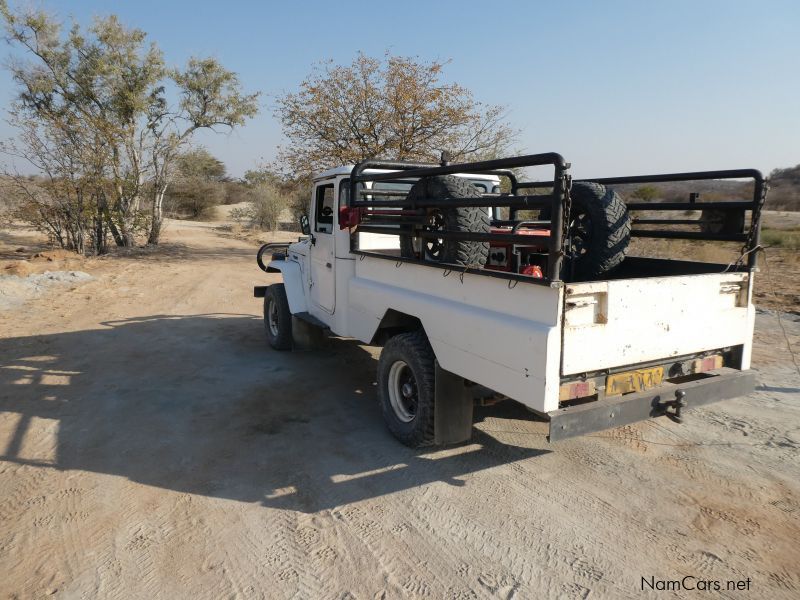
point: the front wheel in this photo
(406, 388)
(277, 317)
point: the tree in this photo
(96, 119)
(784, 191)
(198, 186)
(789, 174)
(199, 162)
(263, 175)
(396, 107)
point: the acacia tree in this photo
(103, 98)
(66, 199)
(199, 162)
(395, 107)
(198, 185)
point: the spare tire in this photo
(600, 229)
(466, 219)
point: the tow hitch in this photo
(672, 408)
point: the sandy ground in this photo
(152, 446)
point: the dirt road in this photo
(154, 447)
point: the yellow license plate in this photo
(634, 381)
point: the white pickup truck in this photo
(464, 288)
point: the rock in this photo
(16, 290)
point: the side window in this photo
(323, 209)
(344, 192)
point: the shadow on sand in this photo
(199, 404)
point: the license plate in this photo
(634, 381)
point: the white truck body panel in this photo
(616, 323)
(294, 283)
(505, 338)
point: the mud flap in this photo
(452, 418)
(307, 336)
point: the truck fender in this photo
(292, 283)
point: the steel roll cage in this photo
(404, 220)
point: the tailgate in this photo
(617, 323)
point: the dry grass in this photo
(778, 282)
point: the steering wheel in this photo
(327, 211)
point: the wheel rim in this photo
(580, 234)
(272, 317)
(403, 393)
(434, 248)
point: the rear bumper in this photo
(630, 408)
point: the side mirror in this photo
(305, 228)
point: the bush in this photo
(266, 206)
(298, 198)
(646, 193)
(295, 190)
(236, 192)
(263, 209)
(193, 198)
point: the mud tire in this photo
(468, 219)
(414, 355)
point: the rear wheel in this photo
(277, 318)
(406, 388)
(465, 219)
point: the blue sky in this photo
(617, 87)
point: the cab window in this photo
(323, 210)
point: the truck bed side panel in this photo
(504, 337)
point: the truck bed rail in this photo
(751, 237)
(402, 216)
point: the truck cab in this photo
(323, 255)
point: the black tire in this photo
(471, 219)
(277, 318)
(408, 359)
(600, 229)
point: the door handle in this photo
(329, 265)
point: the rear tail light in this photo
(576, 389)
(705, 364)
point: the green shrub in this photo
(263, 209)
